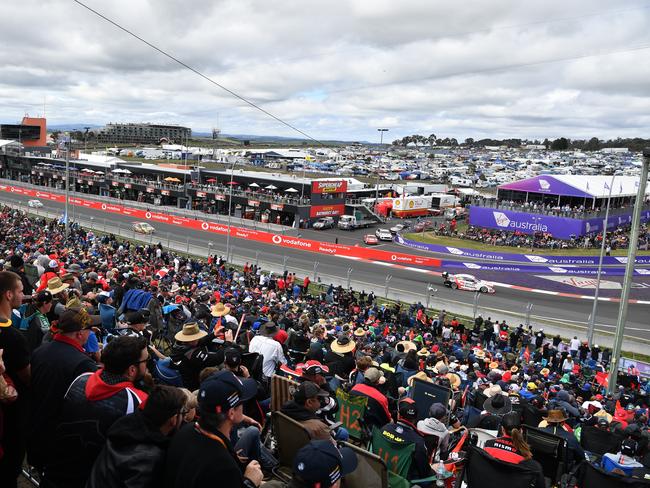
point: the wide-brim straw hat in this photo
(360, 332)
(219, 310)
(556, 416)
(420, 375)
(424, 352)
(190, 332)
(342, 345)
(55, 285)
(454, 380)
(408, 345)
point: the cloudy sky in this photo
(338, 69)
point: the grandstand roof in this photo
(577, 185)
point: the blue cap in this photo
(322, 462)
(222, 391)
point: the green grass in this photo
(430, 238)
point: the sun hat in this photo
(343, 344)
(420, 375)
(360, 332)
(545, 371)
(405, 345)
(493, 365)
(73, 268)
(531, 386)
(556, 416)
(222, 391)
(493, 391)
(441, 368)
(269, 329)
(424, 352)
(219, 310)
(480, 353)
(322, 463)
(190, 332)
(498, 405)
(76, 305)
(454, 380)
(55, 285)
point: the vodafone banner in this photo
(239, 232)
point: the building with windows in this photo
(143, 133)
(31, 132)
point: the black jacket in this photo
(190, 361)
(54, 366)
(196, 461)
(134, 455)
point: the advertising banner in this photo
(242, 233)
(517, 268)
(525, 223)
(317, 211)
(334, 186)
(518, 258)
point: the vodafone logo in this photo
(148, 215)
(277, 239)
(204, 225)
(13, 189)
(103, 206)
(393, 257)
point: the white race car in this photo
(143, 228)
(34, 203)
(467, 282)
(384, 235)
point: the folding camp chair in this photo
(550, 450)
(482, 470)
(290, 437)
(351, 413)
(371, 470)
(281, 391)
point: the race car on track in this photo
(466, 282)
(143, 228)
(34, 203)
(384, 235)
(370, 239)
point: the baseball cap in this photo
(323, 463)
(437, 410)
(408, 409)
(233, 356)
(222, 391)
(74, 321)
(43, 297)
(308, 389)
(373, 375)
(312, 367)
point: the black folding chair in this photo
(550, 450)
(482, 470)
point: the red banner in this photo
(242, 233)
(334, 186)
(326, 210)
(277, 206)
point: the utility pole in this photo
(629, 271)
(67, 141)
(592, 318)
(381, 143)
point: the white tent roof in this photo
(598, 186)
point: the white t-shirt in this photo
(272, 352)
(575, 345)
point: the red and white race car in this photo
(467, 282)
(370, 239)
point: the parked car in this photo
(370, 239)
(384, 235)
(324, 223)
(143, 228)
(423, 226)
(399, 228)
(34, 203)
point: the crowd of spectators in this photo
(128, 365)
(616, 239)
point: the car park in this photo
(143, 228)
(384, 235)
(370, 239)
(467, 282)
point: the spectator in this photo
(54, 366)
(202, 453)
(92, 404)
(191, 354)
(555, 420)
(134, 454)
(307, 400)
(268, 348)
(17, 369)
(377, 412)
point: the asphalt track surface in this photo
(404, 283)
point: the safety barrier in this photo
(237, 232)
